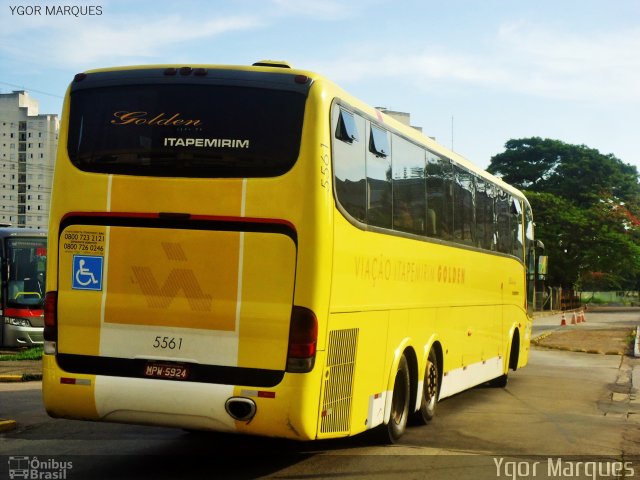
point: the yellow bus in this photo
(251, 249)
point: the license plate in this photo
(170, 372)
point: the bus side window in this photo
(439, 196)
(464, 213)
(503, 214)
(409, 188)
(484, 214)
(379, 178)
(517, 222)
(349, 163)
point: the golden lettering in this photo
(162, 119)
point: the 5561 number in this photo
(168, 343)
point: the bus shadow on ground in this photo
(215, 455)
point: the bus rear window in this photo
(185, 130)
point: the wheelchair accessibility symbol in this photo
(87, 272)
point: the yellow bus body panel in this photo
(377, 295)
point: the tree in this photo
(585, 208)
(559, 224)
(575, 172)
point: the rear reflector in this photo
(303, 337)
(258, 393)
(74, 381)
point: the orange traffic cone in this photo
(563, 323)
(573, 318)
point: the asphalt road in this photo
(568, 412)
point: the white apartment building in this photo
(28, 144)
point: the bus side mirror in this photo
(539, 245)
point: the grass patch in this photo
(34, 353)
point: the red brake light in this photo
(51, 309)
(303, 337)
(51, 316)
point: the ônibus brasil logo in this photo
(32, 468)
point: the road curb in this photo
(7, 425)
(25, 377)
(541, 337)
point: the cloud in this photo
(82, 43)
(596, 67)
(426, 68)
(324, 9)
(143, 40)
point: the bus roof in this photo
(7, 232)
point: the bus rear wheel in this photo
(399, 404)
(430, 391)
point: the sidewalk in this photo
(18, 371)
(21, 370)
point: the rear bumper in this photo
(14, 336)
(289, 410)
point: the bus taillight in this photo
(50, 322)
(303, 336)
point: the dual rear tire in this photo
(400, 408)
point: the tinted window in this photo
(439, 197)
(379, 179)
(464, 213)
(503, 216)
(516, 228)
(349, 167)
(385, 180)
(185, 130)
(485, 225)
(409, 187)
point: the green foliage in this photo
(34, 353)
(585, 208)
(576, 172)
(557, 220)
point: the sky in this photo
(472, 73)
